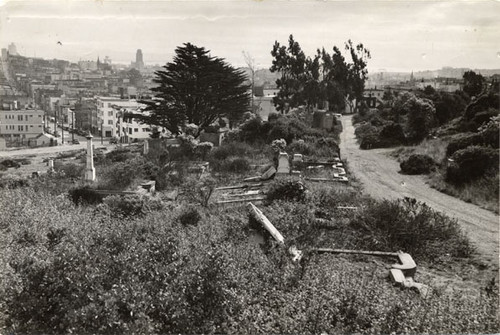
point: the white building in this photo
(108, 115)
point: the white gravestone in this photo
(283, 163)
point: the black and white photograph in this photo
(315, 167)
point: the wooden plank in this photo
(240, 200)
(357, 252)
(340, 179)
(259, 216)
(238, 186)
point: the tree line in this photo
(197, 88)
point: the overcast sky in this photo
(401, 35)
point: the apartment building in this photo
(108, 114)
(19, 126)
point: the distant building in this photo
(129, 129)
(108, 114)
(139, 62)
(373, 97)
(85, 112)
(13, 50)
(18, 126)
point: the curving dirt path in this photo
(381, 179)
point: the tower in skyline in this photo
(139, 62)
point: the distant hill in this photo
(446, 72)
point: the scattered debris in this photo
(401, 273)
(268, 174)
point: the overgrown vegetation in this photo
(69, 268)
(464, 132)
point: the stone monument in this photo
(90, 170)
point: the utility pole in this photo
(62, 125)
(73, 126)
(55, 124)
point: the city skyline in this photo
(401, 35)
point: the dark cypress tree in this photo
(196, 88)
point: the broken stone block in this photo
(407, 266)
(269, 173)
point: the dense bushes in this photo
(85, 195)
(81, 270)
(278, 126)
(288, 190)
(417, 164)
(413, 227)
(471, 163)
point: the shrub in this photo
(471, 163)
(13, 182)
(126, 205)
(228, 149)
(417, 164)
(189, 216)
(232, 165)
(393, 132)
(369, 141)
(364, 130)
(412, 227)
(463, 141)
(85, 196)
(70, 170)
(120, 155)
(119, 176)
(289, 190)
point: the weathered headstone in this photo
(146, 147)
(51, 165)
(283, 163)
(90, 170)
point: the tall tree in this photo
(473, 83)
(308, 81)
(291, 63)
(196, 88)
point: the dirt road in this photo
(381, 179)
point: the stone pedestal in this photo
(90, 170)
(51, 165)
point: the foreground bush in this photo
(418, 164)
